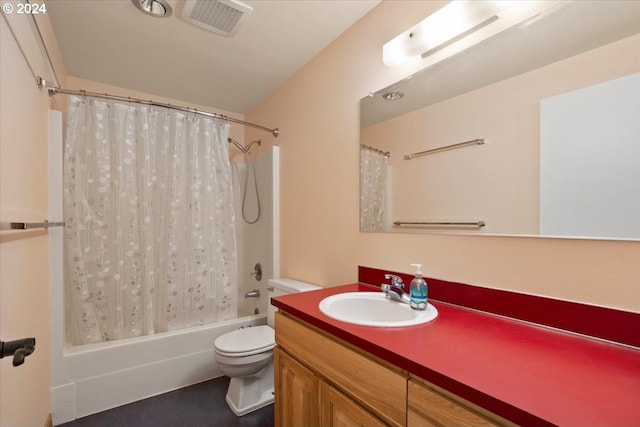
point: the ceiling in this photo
(113, 42)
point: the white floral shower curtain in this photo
(374, 190)
(150, 229)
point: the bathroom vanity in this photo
(465, 368)
(322, 381)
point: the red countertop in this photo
(529, 374)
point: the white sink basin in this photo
(374, 309)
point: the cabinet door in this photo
(297, 396)
(379, 388)
(428, 408)
(337, 410)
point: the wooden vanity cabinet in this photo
(347, 387)
(297, 392)
(427, 407)
(303, 399)
(337, 410)
(322, 381)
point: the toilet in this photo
(246, 355)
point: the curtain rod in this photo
(375, 150)
(53, 91)
(54, 88)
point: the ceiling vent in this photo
(224, 17)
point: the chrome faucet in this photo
(255, 293)
(395, 290)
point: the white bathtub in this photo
(106, 375)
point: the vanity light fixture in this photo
(155, 8)
(458, 25)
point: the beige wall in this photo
(24, 262)
(318, 115)
(499, 181)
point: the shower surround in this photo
(91, 378)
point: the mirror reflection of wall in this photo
(590, 161)
(498, 182)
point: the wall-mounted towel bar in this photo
(29, 225)
(478, 141)
(479, 223)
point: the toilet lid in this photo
(246, 340)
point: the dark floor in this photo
(200, 405)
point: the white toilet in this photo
(246, 355)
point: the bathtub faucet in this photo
(253, 294)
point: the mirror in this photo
(511, 98)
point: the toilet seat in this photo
(245, 342)
(244, 361)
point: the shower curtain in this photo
(374, 190)
(150, 229)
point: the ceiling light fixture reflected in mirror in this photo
(393, 96)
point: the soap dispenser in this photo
(418, 290)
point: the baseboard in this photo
(63, 403)
(48, 422)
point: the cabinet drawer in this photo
(428, 408)
(378, 388)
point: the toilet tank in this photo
(279, 287)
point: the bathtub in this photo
(105, 375)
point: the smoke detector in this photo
(223, 17)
